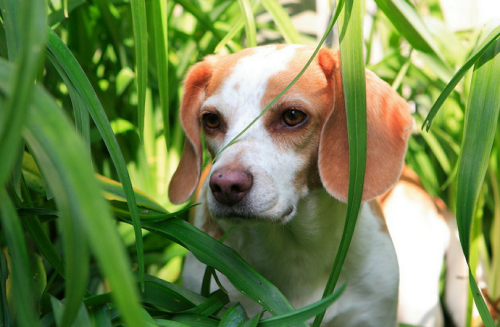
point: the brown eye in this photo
(293, 117)
(211, 120)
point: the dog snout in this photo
(229, 186)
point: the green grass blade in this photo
(100, 316)
(5, 317)
(282, 20)
(65, 159)
(35, 229)
(250, 30)
(202, 18)
(232, 32)
(13, 234)
(160, 19)
(82, 85)
(480, 50)
(304, 313)
(225, 260)
(354, 84)
(479, 132)
(234, 316)
(28, 35)
(408, 22)
(141, 58)
(10, 15)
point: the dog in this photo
(284, 184)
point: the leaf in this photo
(75, 73)
(283, 21)
(226, 260)
(160, 20)
(304, 313)
(141, 57)
(250, 30)
(234, 316)
(13, 235)
(354, 84)
(25, 25)
(480, 126)
(63, 157)
(480, 50)
(408, 22)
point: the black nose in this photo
(229, 185)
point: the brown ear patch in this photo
(185, 178)
(388, 128)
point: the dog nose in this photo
(229, 186)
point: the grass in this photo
(102, 100)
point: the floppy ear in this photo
(388, 127)
(187, 175)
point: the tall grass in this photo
(99, 105)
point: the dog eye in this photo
(211, 120)
(293, 117)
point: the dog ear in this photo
(187, 175)
(388, 127)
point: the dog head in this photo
(300, 144)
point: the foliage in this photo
(115, 67)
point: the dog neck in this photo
(299, 252)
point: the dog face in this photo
(298, 145)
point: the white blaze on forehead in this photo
(240, 96)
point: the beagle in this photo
(284, 185)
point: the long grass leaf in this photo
(225, 260)
(82, 85)
(49, 134)
(408, 22)
(480, 50)
(480, 126)
(201, 17)
(304, 313)
(5, 317)
(27, 36)
(141, 58)
(161, 46)
(354, 84)
(250, 30)
(282, 20)
(20, 265)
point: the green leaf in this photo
(252, 322)
(82, 318)
(25, 28)
(479, 132)
(408, 22)
(250, 30)
(13, 235)
(141, 57)
(224, 259)
(160, 19)
(282, 20)
(234, 316)
(354, 84)
(191, 321)
(480, 50)
(214, 303)
(75, 73)
(63, 157)
(304, 313)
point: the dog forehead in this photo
(242, 78)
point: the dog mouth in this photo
(237, 216)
